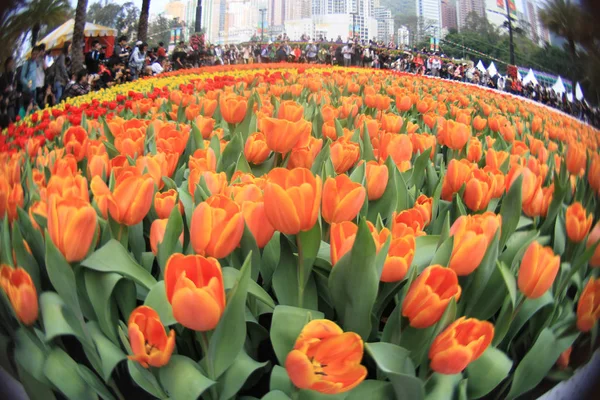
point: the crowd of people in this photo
(46, 78)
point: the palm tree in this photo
(143, 24)
(78, 39)
(564, 19)
(38, 14)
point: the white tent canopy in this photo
(530, 77)
(519, 76)
(480, 66)
(559, 86)
(570, 97)
(492, 70)
(578, 92)
(64, 33)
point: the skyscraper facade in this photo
(466, 7)
(449, 20)
(429, 13)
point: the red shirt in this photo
(161, 52)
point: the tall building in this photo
(276, 12)
(429, 13)
(403, 37)
(297, 9)
(176, 9)
(385, 24)
(344, 18)
(449, 19)
(466, 7)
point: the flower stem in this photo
(300, 272)
(204, 344)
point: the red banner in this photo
(500, 3)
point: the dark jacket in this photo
(92, 61)
(61, 74)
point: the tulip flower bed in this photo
(297, 233)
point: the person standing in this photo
(40, 76)
(347, 52)
(138, 57)
(92, 58)
(27, 77)
(311, 52)
(436, 65)
(161, 52)
(61, 75)
(120, 54)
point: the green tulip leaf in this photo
(183, 379)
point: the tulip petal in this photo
(196, 309)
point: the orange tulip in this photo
(11, 197)
(475, 150)
(461, 343)
(529, 184)
(429, 295)
(149, 341)
(205, 125)
(412, 218)
(326, 359)
(456, 175)
(216, 182)
(257, 222)
(403, 103)
(154, 165)
(593, 238)
(399, 257)
(479, 123)
(217, 227)
(233, 108)
(304, 157)
(578, 222)
(538, 270)
(290, 110)
(328, 130)
(391, 123)
(98, 165)
(424, 205)
(377, 179)
(283, 135)
(131, 198)
(344, 154)
(342, 237)
(165, 202)
(588, 308)
(399, 147)
(194, 287)
(203, 160)
(292, 199)
(67, 186)
(456, 135)
(256, 150)
(72, 226)
(21, 293)
(576, 158)
(75, 140)
(495, 159)
(157, 234)
(342, 199)
(479, 190)
(472, 237)
(540, 201)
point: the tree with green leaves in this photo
(124, 18)
(37, 15)
(563, 17)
